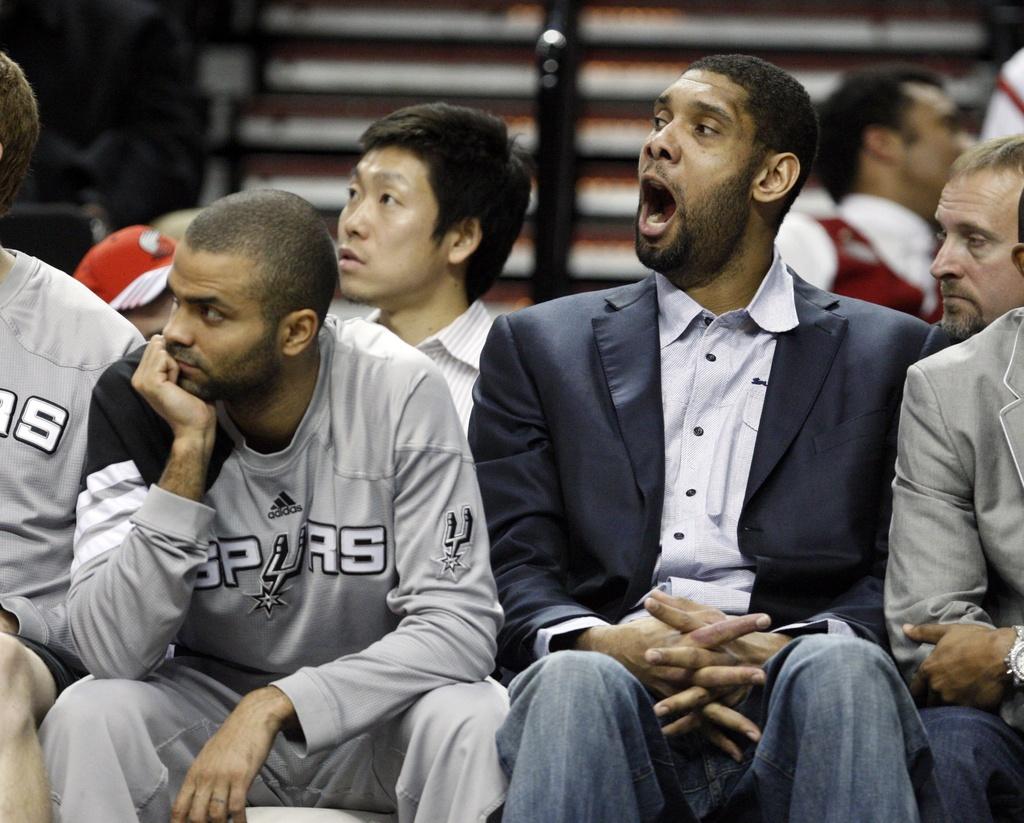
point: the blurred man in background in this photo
(888, 137)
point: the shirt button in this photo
(707, 321)
(679, 535)
(711, 357)
(697, 430)
(691, 492)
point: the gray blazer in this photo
(957, 536)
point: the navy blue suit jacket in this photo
(568, 436)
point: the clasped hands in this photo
(701, 661)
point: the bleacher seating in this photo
(327, 68)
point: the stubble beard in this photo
(706, 237)
(961, 325)
(242, 378)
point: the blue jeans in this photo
(979, 764)
(841, 742)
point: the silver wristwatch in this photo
(1014, 659)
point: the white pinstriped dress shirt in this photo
(455, 350)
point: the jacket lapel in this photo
(1012, 415)
(802, 360)
(627, 341)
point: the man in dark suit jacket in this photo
(606, 502)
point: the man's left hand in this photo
(751, 649)
(966, 666)
(216, 786)
(718, 684)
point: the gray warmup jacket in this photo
(350, 570)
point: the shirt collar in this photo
(463, 338)
(773, 307)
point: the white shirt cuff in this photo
(833, 627)
(541, 646)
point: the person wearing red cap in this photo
(128, 269)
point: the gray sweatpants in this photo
(118, 750)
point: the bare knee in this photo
(26, 687)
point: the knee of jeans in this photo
(960, 736)
(835, 665)
(575, 673)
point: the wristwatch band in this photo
(1014, 659)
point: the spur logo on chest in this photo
(317, 548)
(37, 423)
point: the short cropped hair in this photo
(1000, 154)
(875, 96)
(780, 107)
(287, 240)
(474, 170)
(19, 129)
(997, 154)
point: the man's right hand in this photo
(156, 379)
(629, 643)
(193, 421)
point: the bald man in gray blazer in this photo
(954, 590)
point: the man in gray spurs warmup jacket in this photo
(56, 338)
(291, 502)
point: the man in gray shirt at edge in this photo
(56, 338)
(290, 501)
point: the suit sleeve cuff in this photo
(542, 645)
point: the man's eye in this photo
(658, 123)
(210, 313)
(387, 199)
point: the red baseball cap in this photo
(129, 268)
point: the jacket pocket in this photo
(871, 424)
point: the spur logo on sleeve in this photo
(457, 536)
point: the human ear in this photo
(464, 239)
(776, 178)
(297, 330)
